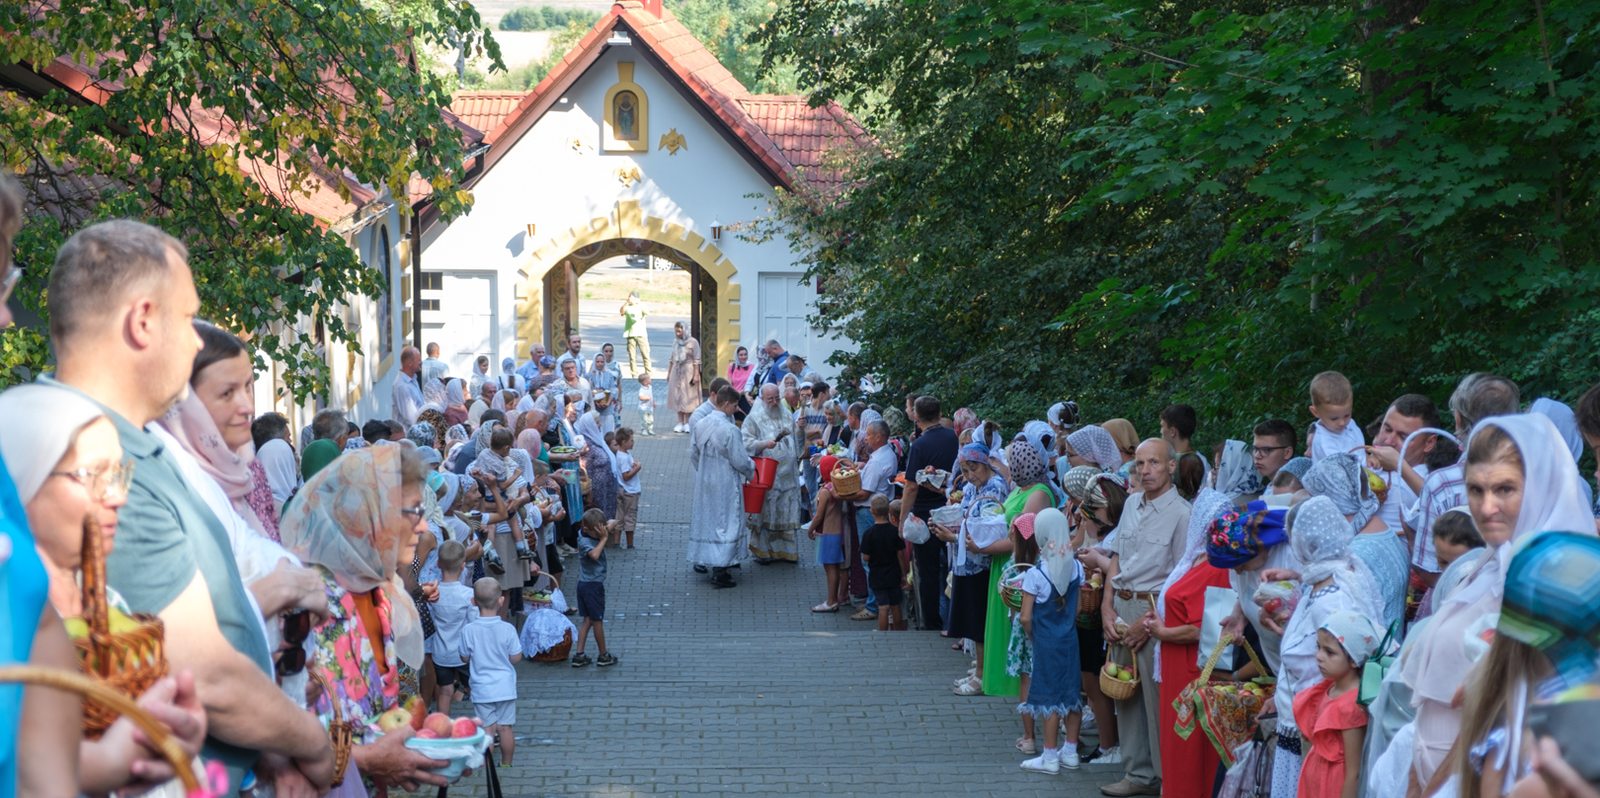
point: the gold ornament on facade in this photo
(628, 175)
(672, 141)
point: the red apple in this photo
(428, 734)
(438, 723)
(464, 727)
(418, 711)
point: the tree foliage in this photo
(1129, 203)
(198, 95)
(547, 18)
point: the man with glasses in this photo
(122, 309)
(1272, 448)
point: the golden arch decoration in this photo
(718, 301)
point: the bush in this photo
(547, 18)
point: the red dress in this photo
(1187, 766)
(1322, 768)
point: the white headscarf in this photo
(1320, 537)
(1565, 421)
(1552, 498)
(1056, 555)
(1207, 505)
(1340, 477)
(283, 474)
(38, 423)
(1236, 473)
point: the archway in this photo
(549, 300)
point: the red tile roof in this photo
(484, 110)
(782, 135)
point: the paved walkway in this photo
(745, 692)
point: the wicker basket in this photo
(1116, 689)
(558, 652)
(98, 693)
(846, 480)
(1089, 598)
(538, 595)
(341, 735)
(129, 662)
(1010, 585)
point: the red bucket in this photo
(766, 471)
(754, 497)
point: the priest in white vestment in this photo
(718, 531)
(772, 536)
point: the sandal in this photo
(1026, 746)
(971, 686)
(825, 607)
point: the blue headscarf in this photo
(1235, 538)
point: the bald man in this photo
(1149, 541)
(407, 391)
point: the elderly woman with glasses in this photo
(64, 456)
(357, 522)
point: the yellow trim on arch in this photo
(627, 220)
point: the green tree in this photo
(316, 88)
(1136, 202)
(547, 18)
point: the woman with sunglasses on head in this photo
(357, 523)
(65, 458)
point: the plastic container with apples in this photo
(459, 741)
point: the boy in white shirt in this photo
(1332, 400)
(490, 646)
(452, 611)
(647, 404)
(628, 475)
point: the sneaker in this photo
(495, 567)
(1088, 724)
(1047, 762)
(580, 659)
(1069, 757)
(863, 615)
(524, 554)
(1107, 756)
(607, 660)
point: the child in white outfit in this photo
(647, 405)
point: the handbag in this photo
(1377, 666)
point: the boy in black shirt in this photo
(885, 554)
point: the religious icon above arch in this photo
(627, 115)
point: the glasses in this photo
(104, 484)
(415, 513)
(1085, 517)
(1263, 451)
(296, 628)
(9, 284)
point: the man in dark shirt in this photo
(933, 450)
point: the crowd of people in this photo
(1410, 597)
(1422, 598)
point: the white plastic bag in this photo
(915, 531)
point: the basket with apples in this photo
(1119, 682)
(1225, 710)
(126, 653)
(459, 741)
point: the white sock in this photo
(1052, 752)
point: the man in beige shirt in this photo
(1147, 545)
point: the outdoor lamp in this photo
(716, 230)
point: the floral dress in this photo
(345, 660)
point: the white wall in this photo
(545, 180)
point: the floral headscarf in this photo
(1056, 555)
(347, 519)
(1234, 538)
(1355, 632)
(1096, 445)
(1236, 473)
(1027, 467)
(421, 434)
(973, 453)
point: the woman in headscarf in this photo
(455, 440)
(455, 402)
(1187, 766)
(64, 457)
(1098, 498)
(281, 468)
(982, 495)
(433, 416)
(357, 522)
(602, 378)
(603, 485)
(316, 457)
(1127, 439)
(1520, 481)
(1331, 580)
(1029, 494)
(1236, 473)
(683, 376)
(1342, 478)
(212, 423)
(739, 370)
(1250, 543)
(964, 419)
(1093, 445)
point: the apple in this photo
(428, 734)
(396, 718)
(464, 727)
(1125, 677)
(418, 711)
(438, 723)
(77, 628)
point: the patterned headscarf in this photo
(1041, 436)
(421, 433)
(1355, 632)
(1056, 555)
(347, 519)
(1208, 504)
(1552, 600)
(1321, 541)
(1297, 466)
(1096, 445)
(973, 453)
(1236, 473)
(1024, 525)
(1027, 467)
(1078, 481)
(964, 419)
(1234, 538)
(1341, 478)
